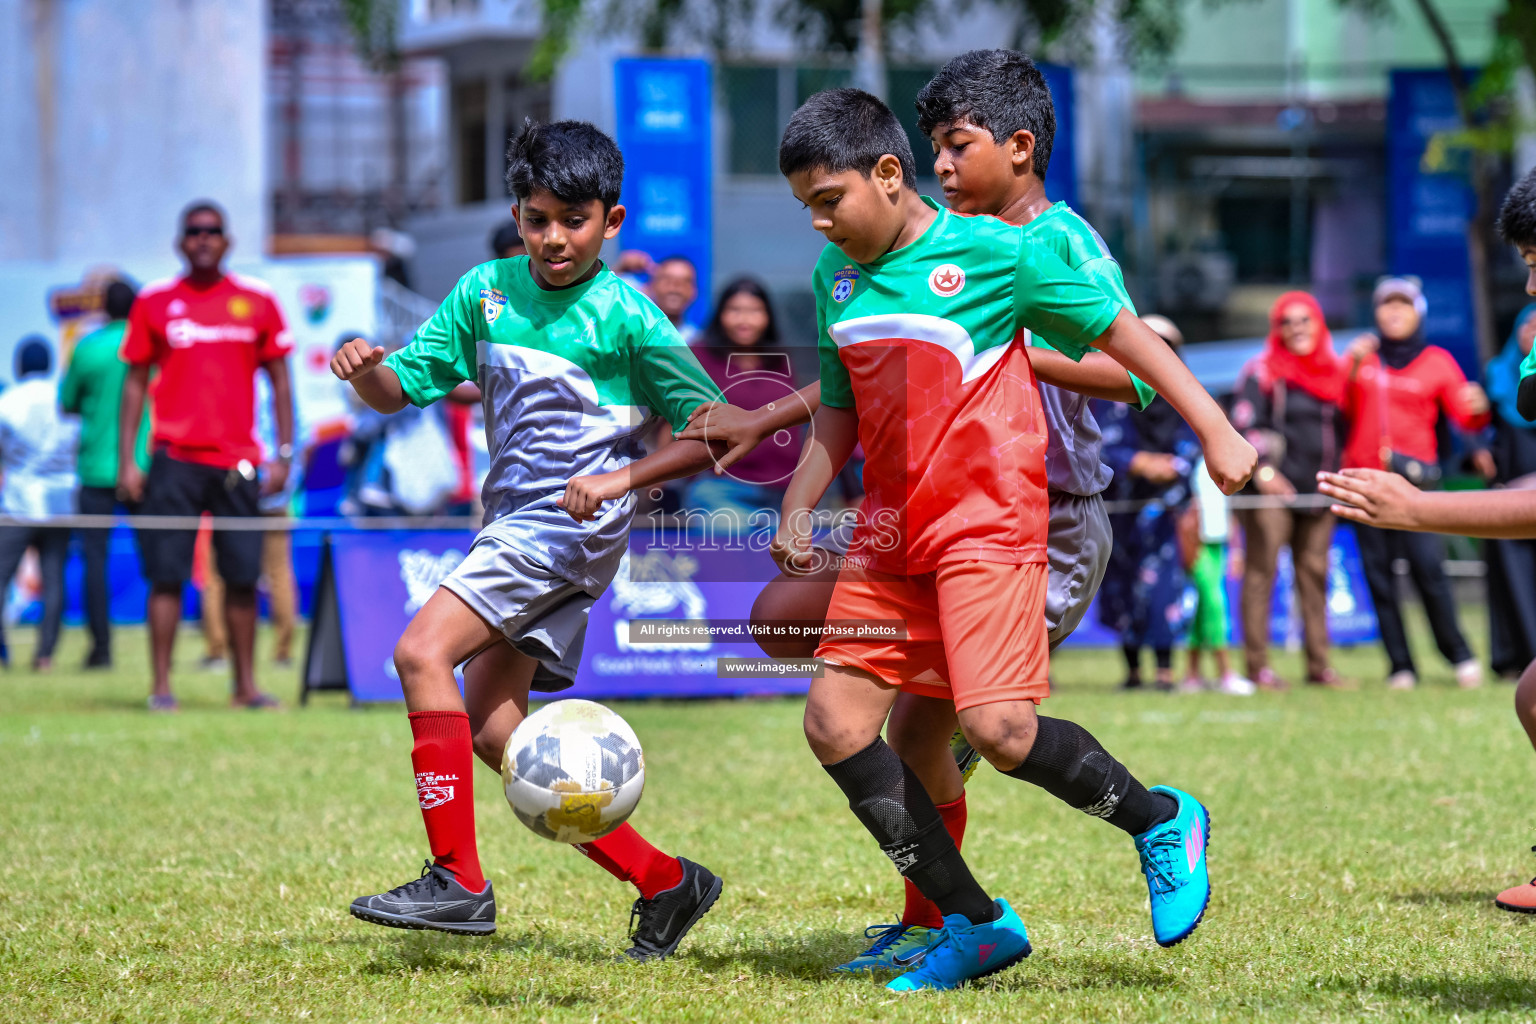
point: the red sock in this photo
(444, 760)
(625, 855)
(921, 911)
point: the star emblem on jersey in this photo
(946, 280)
(492, 302)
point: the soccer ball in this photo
(573, 771)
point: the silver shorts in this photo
(542, 614)
(1077, 549)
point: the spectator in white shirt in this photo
(37, 456)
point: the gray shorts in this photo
(542, 614)
(1077, 549)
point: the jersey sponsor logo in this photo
(184, 333)
(492, 302)
(946, 280)
(846, 279)
(240, 307)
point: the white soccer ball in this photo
(573, 771)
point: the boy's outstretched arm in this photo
(1378, 498)
(742, 430)
(1097, 375)
(584, 494)
(358, 363)
(833, 435)
(1228, 457)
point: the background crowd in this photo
(86, 441)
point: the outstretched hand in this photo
(1374, 497)
(720, 424)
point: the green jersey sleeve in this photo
(1062, 306)
(1105, 272)
(668, 376)
(442, 354)
(836, 387)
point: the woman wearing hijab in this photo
(1288, 407)
(1144, 596)
(1398, 386)
(1511, 563)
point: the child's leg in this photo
(919, 731)
(1525, 701)
(843, 716)
(444, 633)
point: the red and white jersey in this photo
(207, 343)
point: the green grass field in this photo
(198, 866)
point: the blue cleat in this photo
(962, 952)
(896, 947)
(1173, 859)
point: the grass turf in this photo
(198, 866)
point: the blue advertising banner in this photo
(1061, 172)
(1351, 617)
(664, 131)
(372, 582)
(1428, 210)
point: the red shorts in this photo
(975, 631)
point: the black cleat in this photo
(671, 913)
(435, 901)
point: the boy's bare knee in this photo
(831, 740)
(414, 655)
(1002, 733)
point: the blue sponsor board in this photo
(372, 582)
(1061, 172)
(664, 130)
(1351, 616)
(1430, 203)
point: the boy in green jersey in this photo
(573, 365)
(918, 310)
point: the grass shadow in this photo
(1085, 972)
(479, 996)
(1449, 992)
(1448, 897)
(806, 957)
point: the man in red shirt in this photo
(207, 332)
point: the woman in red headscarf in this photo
(1289, 406)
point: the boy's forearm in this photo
(672, 461)
(832, 438)
(1134, 346)
(791, 410)
(1497, 515)
(130, 411)
(380, 390)
(1097, 375)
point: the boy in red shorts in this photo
(917, 312)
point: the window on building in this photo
(469, 131)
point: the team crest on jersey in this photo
(946, 280)
(492, 302)
(846, 279)
(240, 307)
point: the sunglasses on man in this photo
(197, 232)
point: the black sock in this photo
(1067, 762)
(892, 804)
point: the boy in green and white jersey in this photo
(573, 364)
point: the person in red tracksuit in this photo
(1398, 386)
